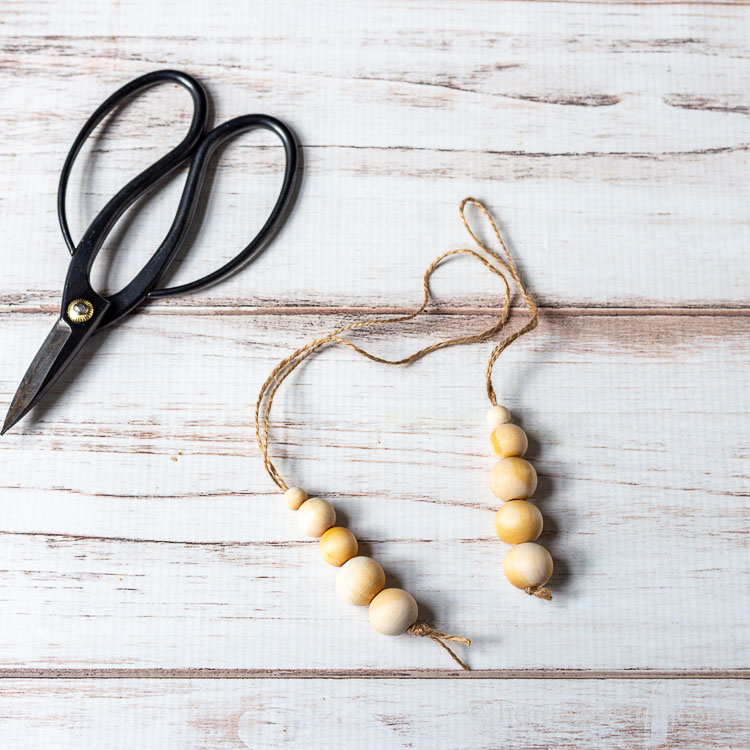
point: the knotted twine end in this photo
(424, 630)
(545, 594)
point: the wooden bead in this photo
(497, 415)
(338, 545)
(359, 579)
(518, 521)
(512, 479)
(392, 611)
(508, 440)
(294, 497)
(315, 516)
(528, 564)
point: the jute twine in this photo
(495, 263)
(545, 594)
(423, 630)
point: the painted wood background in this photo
(153, 592)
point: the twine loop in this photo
(493, 261)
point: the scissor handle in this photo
(112, 308)
(144, 283)
(191, 194)
(108, 216)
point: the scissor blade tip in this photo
(19, 408)
(11, 418)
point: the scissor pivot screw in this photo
(80, 311)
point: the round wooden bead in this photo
(518, 521)
(315, 516)
(508, 440)
(528, 564)
(359, 579)
(338, 545)
(497, 415)
(294, 497)
(392, 611)
(512, 479)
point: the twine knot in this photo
(420, 629)
(423, 630)
(545, 594)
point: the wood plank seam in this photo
(372, 674)
(240, 309)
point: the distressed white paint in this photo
(146, 524)
(610, 140)
(428, 714)
(137, 528)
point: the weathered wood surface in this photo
(611, 140)
(138, 531)
(425, 714)
(144, 522)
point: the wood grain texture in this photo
(153, 593)
(146, 533)
(375, 714)
(611, 141)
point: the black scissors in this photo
(83, 311)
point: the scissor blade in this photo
(59, 348)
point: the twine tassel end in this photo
(423, 630)
(545, 594)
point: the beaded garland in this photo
(361, 580)
(527, 565)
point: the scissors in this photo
(83, 311)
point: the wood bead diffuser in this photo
(360, 580)
(518, 521)
(393, 611)
(527, 566)
(337, 545)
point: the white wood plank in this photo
(139, 528)
(612, 141)
(467, 714)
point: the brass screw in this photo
(80, 311)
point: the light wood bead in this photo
(512, 479)
(518, 521)
(392, 611)
(508, 440)
(497, 415)
(294, 497)
(315, 516)
(338, 545)
(359, 579)
(528, 564)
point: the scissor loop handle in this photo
(102, 224)
(144, 283)
(201, 148)
(279, 212)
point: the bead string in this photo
(494, 263)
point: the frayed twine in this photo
(545, 594)
(423, 630)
